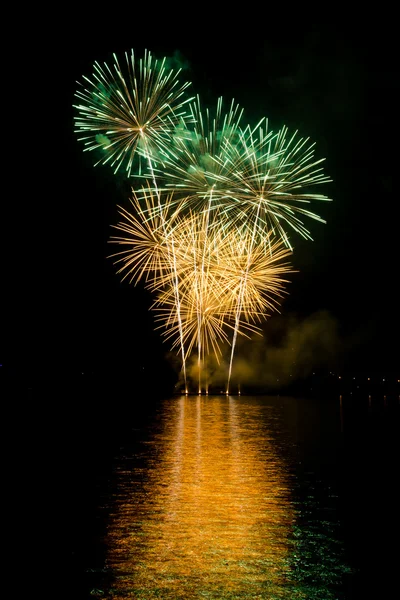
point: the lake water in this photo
(233, 497)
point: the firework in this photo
(208, 229)
(130, 110)
(251, 275)
(204, 306)
(269, 180)
(208, 280)
(252, 175)
(150, 246)
(146, 238)
(194, 161)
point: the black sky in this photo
(337, 84)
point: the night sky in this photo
(339, 85)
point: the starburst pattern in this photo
(130, 111)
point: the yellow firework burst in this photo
(147, 238)
(251, 274)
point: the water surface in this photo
(242, 497)
(213, 501)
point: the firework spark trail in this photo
(203, 275)
(204, 308)
(219, 274)
(200, 349)
(239, 308)
(240, 167)
(253, 273)
(171, 249)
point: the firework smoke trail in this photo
(253, 277)
(178, 312)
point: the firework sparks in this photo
(130, 110)
(146, 232)
(224, 282)
(252, 175)
(195, 161)
(267, 175)
(208, 231)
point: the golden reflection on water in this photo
(209, 515)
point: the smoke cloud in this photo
(289, 349)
